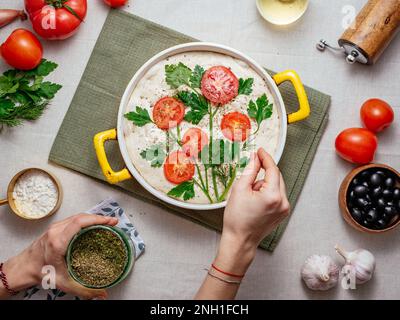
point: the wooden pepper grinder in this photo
(375, 27)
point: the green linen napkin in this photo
(125, 43)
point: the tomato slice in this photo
(219, 85)
(168, 112)
(194, 140)
(236, 126)
(178, 167)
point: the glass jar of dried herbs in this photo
(100, 256)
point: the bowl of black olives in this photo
(369, 198)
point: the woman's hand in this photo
(25, 270)
(254, 210)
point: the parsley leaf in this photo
(245, 86)
(24, 95)
(197, 103)
(140, 117)
(260, 110)
(155, 155)
(177, 75)
(44, 69)
(197, 75)
(185, 190)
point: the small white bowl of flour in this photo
(34, 194)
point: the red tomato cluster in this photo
(358, 145)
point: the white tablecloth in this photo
(178, 250)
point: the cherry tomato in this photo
(357, 145)
(236, 126)
(194, 140)
(376, 115)
(168, 112)
(178, 167)
(116, 3)
(56, 19)
(219, 85)
(22, 50)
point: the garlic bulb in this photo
(361, 262)
(320, 272)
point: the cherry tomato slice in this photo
(236, 126)
(178, 167)
(376, 115)
(219, 85)
(168, 112)
(194, 140)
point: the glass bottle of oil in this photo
(282, 12)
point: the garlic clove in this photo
(320, 272)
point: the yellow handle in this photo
(3, 202)
(111, 176)
(304, 106)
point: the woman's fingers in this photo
(250, 173)
(258, 185)
(76, 289)
(83, 220)
(272, 173)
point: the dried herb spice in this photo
(98, 257)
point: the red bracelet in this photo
(227, 273)
(3, 279)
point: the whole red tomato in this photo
(116, 3)
(22, 50)
(357, 145)
(376, 115)
(56, 19)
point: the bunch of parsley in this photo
(24, 95)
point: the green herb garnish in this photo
(197, 103)
(245, 86)
(197, 75)
(24, 95)
(185, 190)
(260, 110)
(139, 117)
(155, 155)
(177, 75)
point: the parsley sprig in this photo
(24, 95)
(260, 110)
(139, 117)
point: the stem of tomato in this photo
(167, 142)
(228, 187)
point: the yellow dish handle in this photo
(304, 106)
(99, 141)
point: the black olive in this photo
(355, 182)
(356, 214)
(361, 191)
(376, 192)
(381, 224)
(376, 180)
(365, 184)
(367, 224)
(352, 195)
(396, 194)
(381, 203)
(386, 218)
(389, 182)
(363, 203)
(397, 204)
(371, 215)
(390, 211)
(387, 194)
(382, 173)
(365, 175)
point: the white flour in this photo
(35, 194)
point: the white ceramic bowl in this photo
(115, 177)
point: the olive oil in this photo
(282, 12)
